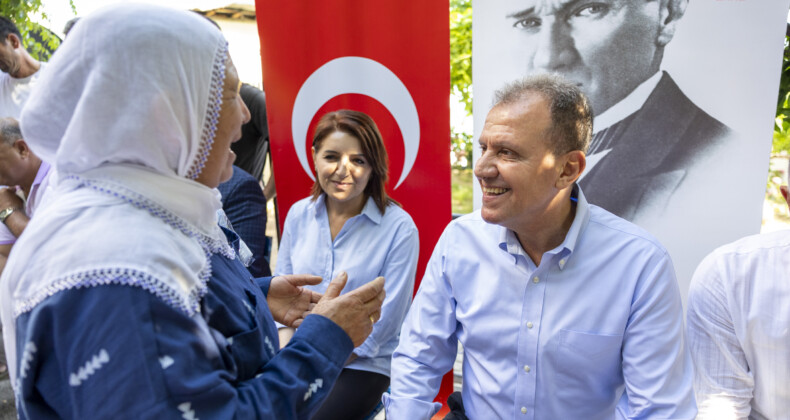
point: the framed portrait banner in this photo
(684, 96)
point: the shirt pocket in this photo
(588, 365)
(589, 346)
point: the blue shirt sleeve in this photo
(656, 361)
(400, 268)
(427, 347)
(119, 352)
(264, 283)
(245, 205)
(284, 264)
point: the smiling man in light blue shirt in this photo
(564, 310)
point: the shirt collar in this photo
(628, 105)
(509, 242)
(580, 221)
(318, 205)
(371, 211)
(43, 170)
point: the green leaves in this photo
(461, 51)
(461, 73)
(781, 141)
(39, 41)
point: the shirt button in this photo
(527, 368)
(562, 262)
(535, 279)
(523, 410)
(529, 325)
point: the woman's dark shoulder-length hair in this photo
(361, 126)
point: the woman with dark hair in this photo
(350, 224)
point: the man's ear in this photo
(573, 164)
(14, 41)
(21, 147)
(670, 13)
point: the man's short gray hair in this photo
(9, 131)
(571, 114)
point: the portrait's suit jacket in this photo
(652, 152)
(245, 205)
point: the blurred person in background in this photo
(19, 70)
(738, 327)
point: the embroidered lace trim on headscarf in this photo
(212, 114)
(217, 244)
(190, 305)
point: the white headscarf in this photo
(126, 111)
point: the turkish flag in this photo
(390, 60)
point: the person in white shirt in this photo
(21, 171)
(738, 327)
(19, 70)
(18, 74)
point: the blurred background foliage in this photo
(461, 76)
(780, 148)
(781, 142)
(39, 41)
(461, 51)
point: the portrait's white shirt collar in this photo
(627, 106)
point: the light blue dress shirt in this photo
(368, 246)
(594, 332)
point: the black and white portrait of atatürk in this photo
(682, 91)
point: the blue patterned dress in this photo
(117, 352)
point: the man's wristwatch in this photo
(5, 213)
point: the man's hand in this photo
(288, 301)
(17, 221)
(356, 311)
(9, 198)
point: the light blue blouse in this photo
(369, 245)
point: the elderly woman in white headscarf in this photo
(124, 299)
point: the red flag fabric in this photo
(390, 60)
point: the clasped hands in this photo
(11, 197)
(355, 312)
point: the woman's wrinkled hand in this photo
(288, 301)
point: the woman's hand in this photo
(288, 301)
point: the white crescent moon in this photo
(363, 76)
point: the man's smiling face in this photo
(517, 169)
